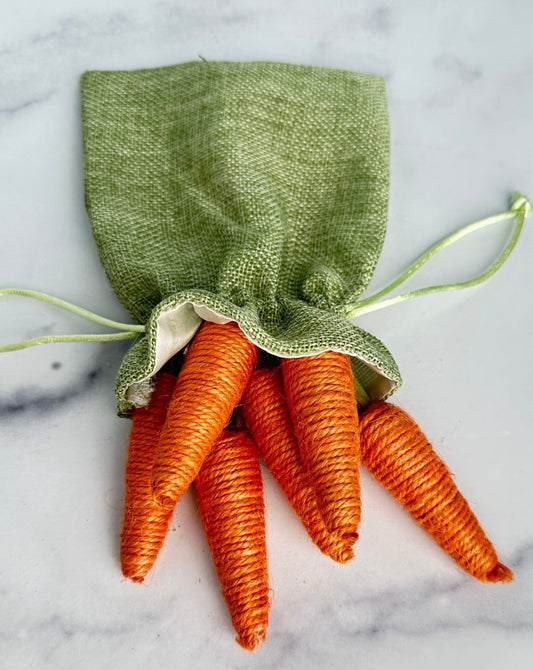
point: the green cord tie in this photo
(129, 330)
(519, 208)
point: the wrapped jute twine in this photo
(229, 489)
(321, 399)
(212, 380)
(145, 522)
(400, 457)
(268, 418)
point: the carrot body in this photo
(268, 418)
(145, 522)
(214, 375)
(230, 499)
(399, 456)
(321, 398)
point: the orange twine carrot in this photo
(321, 398)
(214, 375)
(399, 456)
(268, 418)
(145, 522)
(230, 499)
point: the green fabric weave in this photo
(258, 190)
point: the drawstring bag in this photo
(251, 192)
(239, 211)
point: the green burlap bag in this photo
(254, 192)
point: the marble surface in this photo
(460, 89)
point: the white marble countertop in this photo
(460, 89)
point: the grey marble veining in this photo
(460, 89)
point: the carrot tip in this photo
(341, 550)
(134, 573)
(344, 554)
(500, 573)
(251, 639)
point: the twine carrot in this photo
(399, 456)
(268, 418)
(230, 499)
(145, 522)
(321, 398)
(214, 375)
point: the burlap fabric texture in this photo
(254, 192)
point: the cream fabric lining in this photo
(175, 329)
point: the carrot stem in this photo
(268, 418)
(321, 399)
(229, 490)
(214, 375)
(400, 457)
(145, 522)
